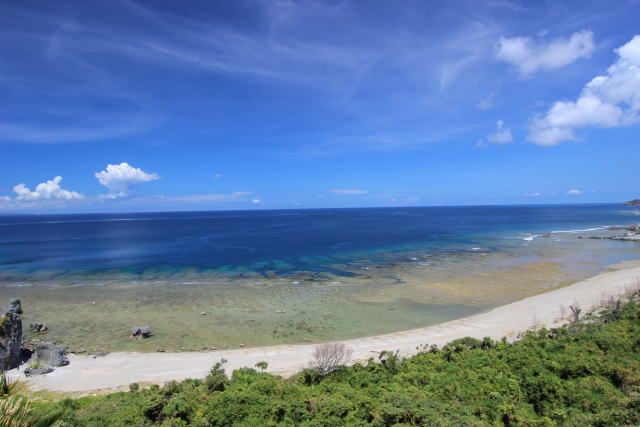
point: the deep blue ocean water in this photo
(274, 241)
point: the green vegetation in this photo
(15, 410)
(587, 373)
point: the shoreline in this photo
(115, 371)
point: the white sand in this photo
(118, 370)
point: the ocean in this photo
(274, 241)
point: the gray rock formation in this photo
(40, 370)
(10, 335)
(49, 354)
(140, 332)
(632, 233)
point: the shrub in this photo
(217, 379)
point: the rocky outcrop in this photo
(632, 233)
(49, 354)
(10, 335)
(634, 202)
(140, 332)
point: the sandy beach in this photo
(117, 370)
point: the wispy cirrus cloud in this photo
(236, 196)
(286, 47)
(52, 134)
(348, 191)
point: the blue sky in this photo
(164, 105)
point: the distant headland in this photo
(634, 202)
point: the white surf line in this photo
(118, 370)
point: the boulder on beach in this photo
(10, 335)
(49, 354)
(140, 332)
(40, 370)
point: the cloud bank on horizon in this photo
(307, 104)
(119, 179)
(46, 190)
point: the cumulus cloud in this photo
(120, 178)
(530, 56)
(45, 191)
(502, 135)
(574, 192)
(256, 201)
(536, 194)
(348, 191)
(609, 100)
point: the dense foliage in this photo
(583, 374)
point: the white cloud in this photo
(256, 201)
(530, 56)
(46, 190)
(574, 192)
(217, 175)
(502, 135)
(348, 191)
(536, 194)
(609, 100)
(120, 178)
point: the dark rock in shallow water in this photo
(10, 335)
(38, 327)
(41, 370)
(140, 332)
(49, 354)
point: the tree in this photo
(329, 357)
(575, 310)
(262, 365)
